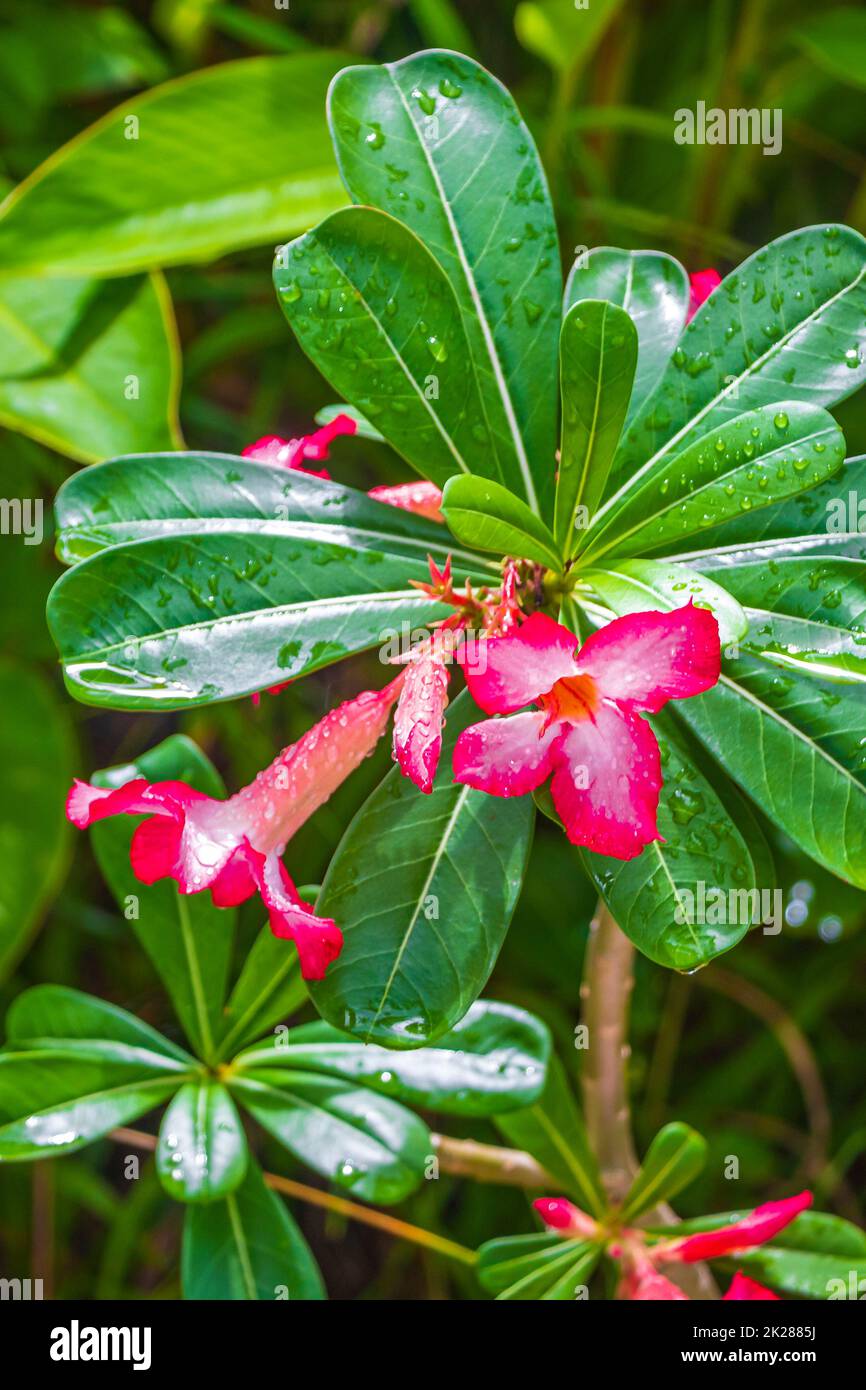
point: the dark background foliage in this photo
(762, 1052)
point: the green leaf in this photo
(235, 155)
(362, 288)
(269, 988)
(145, 497)
(836, 41)
(651, 286)
(168, 624)
(807, 615)
(597, 358)
(675, 1158)
(561, 35)
(423, 888)
(438, 142)
(542, 1267)
(35, 774)
(495, 1059)
(633, 586)
(796, 747)
(789, 322)
(366, 1143)
(552, 1130)
(188, 940)
(51, 54)
(54, 1014)
(486, 515)
(700, 869)
(247, 1247)
(202, 1151)
(743, 465)
(89, 367)
(829, 519)
(58, 1098)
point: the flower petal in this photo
(318, 939)
(701, 285)
(759, 1226)
(744, 1288)
(506, 673)
(419, 717)
(424, 499)
(295, 453)
(564, 1217)
(606, 782)
(506, 757)
(646, 659)
(647, 1285)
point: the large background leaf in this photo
(438, 142)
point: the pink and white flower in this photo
(234, 847)
(297, 453)
(586, 732)
(422, 498)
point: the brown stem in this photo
(466, 1158)
(608, 978)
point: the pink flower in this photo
(759, 1226)
(644, 1284)
(420, 715)
(424, 499)
(295, 453)
(701, 284)
(586, 734)
(235, 847)
(745, 1289)
(565, 1218)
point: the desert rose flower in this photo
(297, 453)
(586, 732)
(424, 499)
(234, 847)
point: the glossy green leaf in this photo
(789, 323)
(674, 1159)
(247, 1247)
(166, 624)
(545, 1267)
(796, 746)
(743, 465)
(58, 1098)
(89, 367)
(50, 1015)
(486, 515)
(437, 141)
(495, 1059)
(201, 1154)
(35, 774)
(50, 53)
(552, 1130)
(828, 519)
(185, 172)
(633, 586)
(694, 893)
(360, 289)
(808, 615)
(268, 989)
(423, 888)
(373, 1146)
(188, 940)
(597, 358)
(651, 286)
(145, 497)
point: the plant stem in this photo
(608, 978)
(367, 1216)
(466, 1158)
